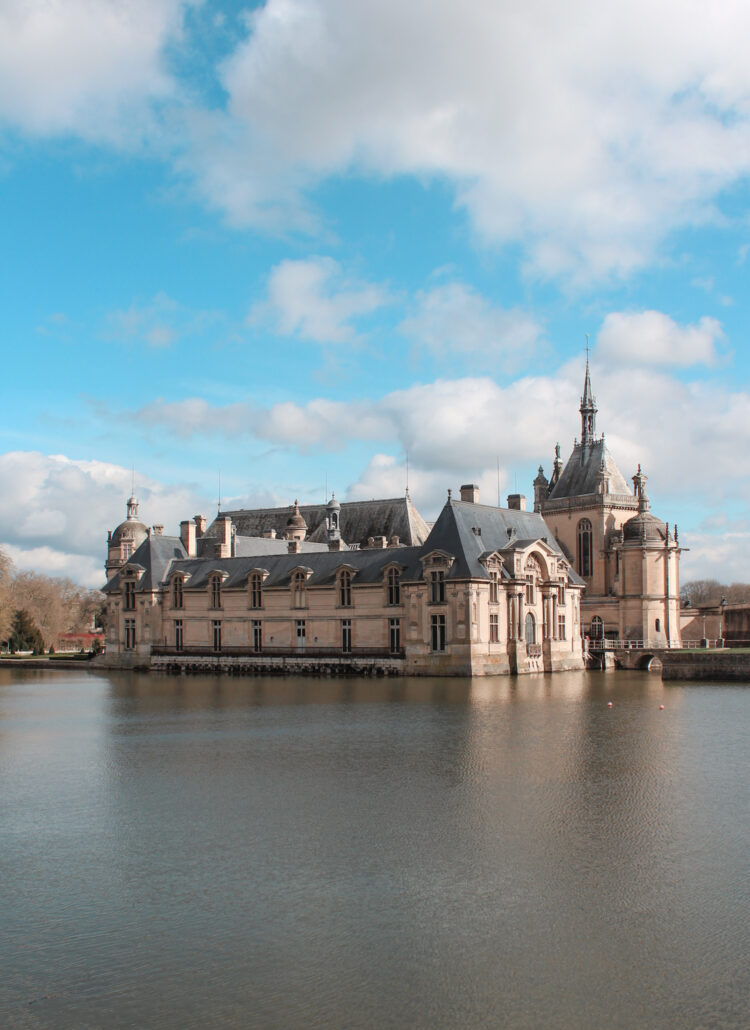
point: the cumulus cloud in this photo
(89, 67)
(55, 511)
(311, 300)
(454, 318)
(653, 338)
(584, 133)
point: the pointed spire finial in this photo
(588, 406)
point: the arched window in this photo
(256, 590)
(345, 589)
(298, 589)
(597, 628)
(585, 549)
(215, 587)
(177, 599)
(394, 586)
(530, 628)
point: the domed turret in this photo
(127, 538)
(296, 527)
(333, 521)
(643, 527)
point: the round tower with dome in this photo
(123, 541)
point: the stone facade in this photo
(628, 558)
(489, 592)
(485, 591)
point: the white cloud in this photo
(88, 67)
(55, 511)
(311, 300)
(653, 338)
(585, 133)
(455, 319)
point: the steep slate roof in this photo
(358, 520)
(500, 529)
(580, 475)
(154, 555)
(366, 566)
(249, 545)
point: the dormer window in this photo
(256, 590)
(345, 589)
(177, 597)
(394, 586)
(437, 586)
(299, 593)
(215, 591)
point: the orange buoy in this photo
(661, 708)
(609, 704)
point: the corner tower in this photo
(587, 506)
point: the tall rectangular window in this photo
(256, 591)
(345, 589)
(129, 604)
(494, 628)
(129, 634)
(346, 635)
(437, 581)
(493, 587)
(216, 592)
(394, 635)
(394, 586)
(217, 634)
(529, 590)
(438, 632)
(257, 635)
(301, 633)
(177, 592)
(178, 634)
(561, 625)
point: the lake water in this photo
(284, 853)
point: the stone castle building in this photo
(369, 584)
(628, 558)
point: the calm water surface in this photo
(191, 853)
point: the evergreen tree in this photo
(24, 633)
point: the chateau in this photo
(369, 585)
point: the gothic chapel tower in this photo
(627, 557)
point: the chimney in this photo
(224, 525)
(395, 541)
(200, 524)
(337, 545)
(294, 547)
(516, 502)
(269, 534)
(158, 529)
(470, 492)
(187, 536)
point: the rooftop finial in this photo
(588, 406)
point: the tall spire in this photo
(588, 407)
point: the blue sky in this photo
(289, 243)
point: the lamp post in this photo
(721, 621)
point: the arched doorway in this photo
(530, 628)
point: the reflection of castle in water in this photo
(368, 586)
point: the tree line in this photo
(711, 592)
(50, 605)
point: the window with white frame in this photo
(494, 628)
